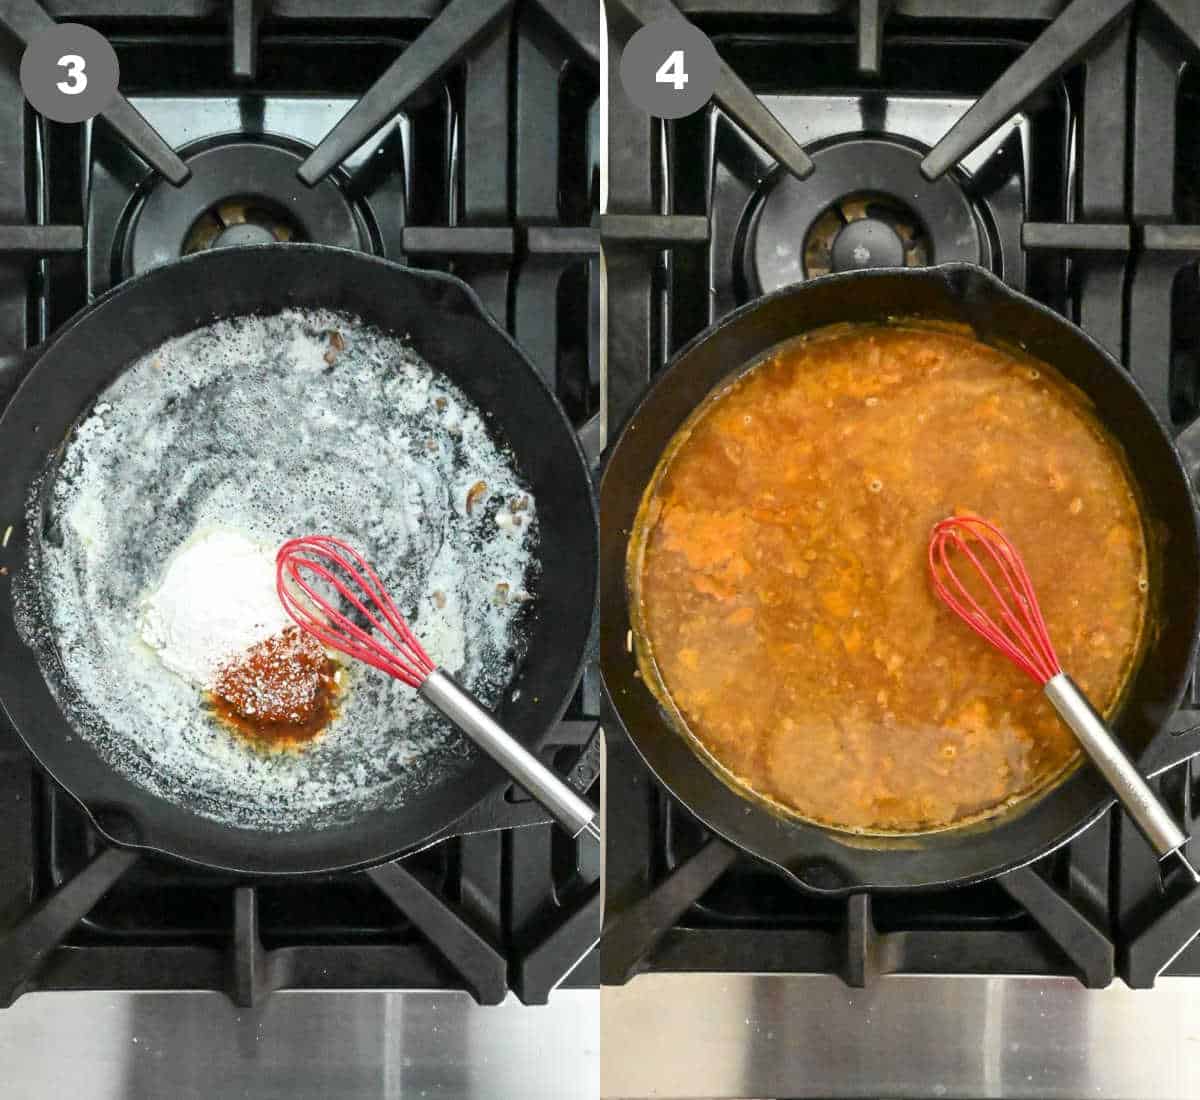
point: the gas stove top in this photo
(464, 139)
(1054, 144)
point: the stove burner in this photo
(240, 221)
(240, 192)
(244, 234)
(865, 243)
(862, 231)
(866, 206)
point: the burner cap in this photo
(240, 192)
(867, 243)
(866, 205)
(246, 232)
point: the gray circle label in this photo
(669, 68)
(69, 73)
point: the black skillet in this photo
(448, 326)
(827, 860)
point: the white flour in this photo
(216, 601)
(265, 429)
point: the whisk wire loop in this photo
(345, 592)
(1007, 615)
(347, 637)
(1021, 633)
(348, 633)
(393, 648)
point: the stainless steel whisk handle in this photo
(1135, 794)
(573, 813)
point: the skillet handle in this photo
(1140, 802)
(572, 812)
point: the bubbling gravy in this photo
(780, 592)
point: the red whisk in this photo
(319, 579)
(1021, 633)
(1014, 625)
(393, 648)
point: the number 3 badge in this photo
(69, 73)
(77, 80)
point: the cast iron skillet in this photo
(827, 860)
(448, 326)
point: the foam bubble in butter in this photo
(244, 425)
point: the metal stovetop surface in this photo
(299, 1045)
(741, 1035)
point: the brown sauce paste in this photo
(280, 694)
(780, 591)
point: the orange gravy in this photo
(781, 598)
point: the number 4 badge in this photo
(669, 68)
(672, 71)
